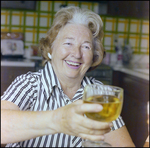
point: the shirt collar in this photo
(85, 81)
(49, 79)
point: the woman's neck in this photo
(70, 86)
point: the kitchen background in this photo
(125, 23)
(34, 24)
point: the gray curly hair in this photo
(75, 15)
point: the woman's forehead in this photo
(71, 31)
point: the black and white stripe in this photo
(41, 91)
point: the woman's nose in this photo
(76, 52)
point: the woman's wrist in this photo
(53, 121)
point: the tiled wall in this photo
(35, 24)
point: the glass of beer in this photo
(111, 98)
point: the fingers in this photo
(82, 108)
(92, 134)
(91, 137)
(93, 124)
(87, 122)
(94, 131)
(77, 124)
(91, 127)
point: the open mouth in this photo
(73, 64)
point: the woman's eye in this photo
(86, 47)
(68, 43)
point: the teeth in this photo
(71, 63)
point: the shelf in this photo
(35, 58)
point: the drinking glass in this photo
(111, 98)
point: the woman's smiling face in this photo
(72, 51)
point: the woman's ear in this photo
(97, 58)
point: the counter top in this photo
(140, 71)
(18, 63)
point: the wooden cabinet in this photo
(136, 9)
(134, 112)
(8, 74)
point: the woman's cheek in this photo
(88, 57)
(63, 52)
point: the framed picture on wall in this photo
(28, 5)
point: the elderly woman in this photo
(45, 108)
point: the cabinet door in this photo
(8, 74)
(134, 112)
(136, 9)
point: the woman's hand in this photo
(70, 120)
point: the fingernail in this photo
(100, 107)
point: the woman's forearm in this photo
(22, 125)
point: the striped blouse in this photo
(41, 91)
